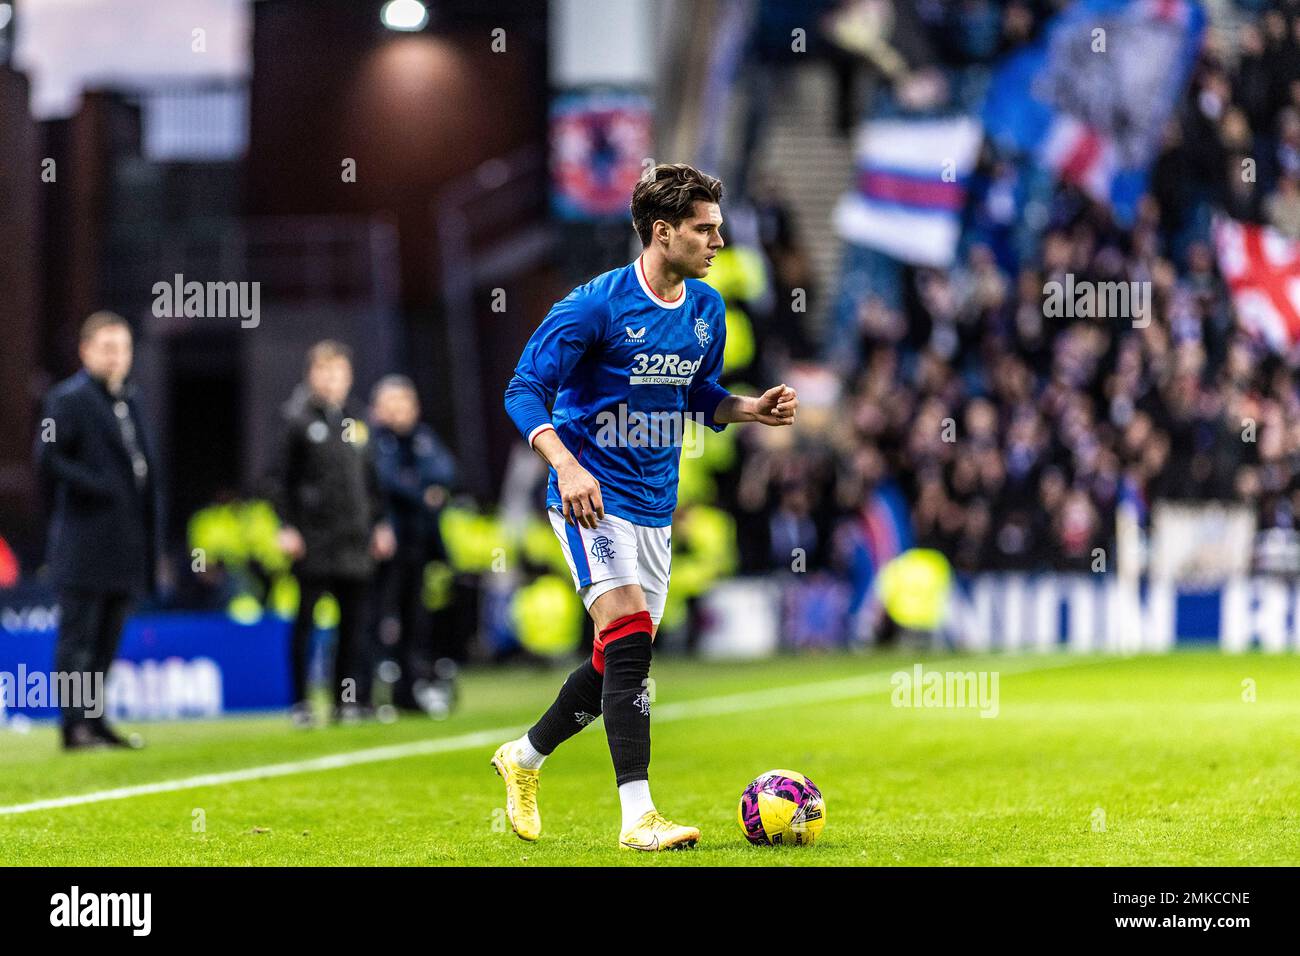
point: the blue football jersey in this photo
(616, 370)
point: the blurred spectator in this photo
(326, 493)
(97, 468)
(416, 473)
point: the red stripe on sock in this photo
(636, 623)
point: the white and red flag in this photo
(1262, 268)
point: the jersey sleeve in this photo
(705, 392)
(571, 327)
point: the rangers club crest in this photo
(602, 549)
(702, 331)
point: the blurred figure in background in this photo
(95, 463)
(415, 472)
(326, 493)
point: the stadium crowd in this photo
(1013, 435)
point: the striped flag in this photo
(911, 187)
(1262, 268)
(1081, 155)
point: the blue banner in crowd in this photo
(1091, 97)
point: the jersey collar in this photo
(676, 303)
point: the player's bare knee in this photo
(616, 603)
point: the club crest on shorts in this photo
(602, 549)
(702, 331)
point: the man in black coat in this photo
(326, 493)
(97, 470)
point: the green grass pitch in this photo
(1089, 761)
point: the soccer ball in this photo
(781, 807)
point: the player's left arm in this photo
(776, 406)
(720, 408)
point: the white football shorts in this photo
(616, 553)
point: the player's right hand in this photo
(580, 493)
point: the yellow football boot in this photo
(652, 832)
(521, 793)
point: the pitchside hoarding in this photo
(185, 665)
(169, 666)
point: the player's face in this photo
(107, 355)
(330, 380)
(694, 243)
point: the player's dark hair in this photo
(669, 192)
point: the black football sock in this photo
(576, 706)
(626, 700)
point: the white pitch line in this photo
(809, 693)
(351, 758)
